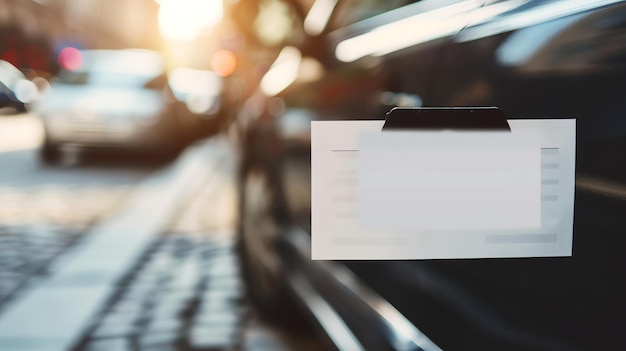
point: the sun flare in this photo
(184, 20)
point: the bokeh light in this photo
(184, 20)
(70, 58)
(223, 63)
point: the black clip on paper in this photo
(446, 118)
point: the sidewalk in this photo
(54, 313)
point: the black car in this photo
(532, 59)
(15, 90)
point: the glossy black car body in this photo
(537, 58)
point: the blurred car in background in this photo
(355, 60)
(110, 99)
(15, 90)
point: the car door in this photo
(539, 59)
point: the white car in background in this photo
(110, 99)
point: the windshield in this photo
(114, 69)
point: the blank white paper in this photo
(442, 181)
(337, 231)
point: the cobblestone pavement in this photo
(37, 225)
(25, 252)
(46, 210)
(187, 293)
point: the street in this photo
(44, 210)
(73, 194)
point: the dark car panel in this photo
(377, 74)
(533, 59)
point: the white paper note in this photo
(337, 233)
(442, 181)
